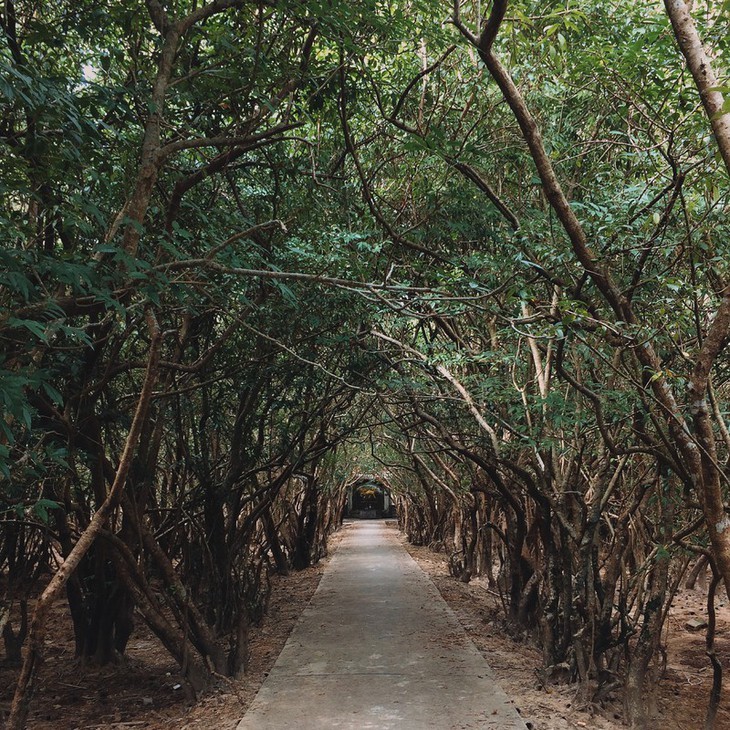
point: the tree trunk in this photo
(697, 449)
(272, 535)
(14, 640)
(36, 637)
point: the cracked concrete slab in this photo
(378, 648)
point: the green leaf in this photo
(52, 393)
(36, 328)
(41, 507)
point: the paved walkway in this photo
(378, 648)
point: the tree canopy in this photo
(254, 251)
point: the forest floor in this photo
(145, 691)
(683, 691)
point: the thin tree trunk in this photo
(716, 693)
(700, 66)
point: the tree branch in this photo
(489, 34)
(700, 66)
(248, 140)
(471, 174)
(206, 11)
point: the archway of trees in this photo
(252, 249)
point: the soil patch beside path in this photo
(683, 691)
(145, 690)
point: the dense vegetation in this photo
(253, 251)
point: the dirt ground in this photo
(146, 690)
(683, 691)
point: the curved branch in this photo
(367, 193)
(471, 174)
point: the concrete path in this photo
(378, 648)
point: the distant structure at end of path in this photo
(369, 498)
